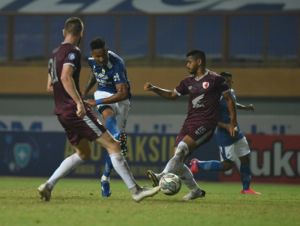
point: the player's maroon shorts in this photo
(76, 128)
(200, 132)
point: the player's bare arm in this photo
(224, 125)
(69, 85)
(167, 94)
(122, 94)
(250, 107)
(49, 85)
(90, 84)
(231, 107)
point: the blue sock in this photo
(212, 165)
(108, 166)
(111, 125)
(246, 175)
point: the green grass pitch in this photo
(79, 202)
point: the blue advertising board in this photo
(38, 154)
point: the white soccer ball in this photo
(170, 184)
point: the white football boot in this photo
(139, 193)
(45, 191)
(194, 195)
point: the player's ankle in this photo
(104, 178)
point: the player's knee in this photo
(245, 159)
(227, 165)
(114, 147)
(85, 155)
(181, 151)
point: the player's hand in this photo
(148, 86)
(91, 103)
(250, 108)
(80, 110)
(233, 130)
(227, 126)
(87, 105)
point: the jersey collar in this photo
(202, 75)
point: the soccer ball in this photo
(170, 184)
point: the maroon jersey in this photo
(64, 54)
(204, 100)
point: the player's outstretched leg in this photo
(138, 193)
(45, 191)
(65, 168)
(187, 178)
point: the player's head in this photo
(228, 78)
(74, 28)
(195, 59)
(99, 51)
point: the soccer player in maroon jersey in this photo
(205, 89)
(80, 124)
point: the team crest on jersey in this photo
(205, 85)
(103, 71)
(72, 56)
(190, 87)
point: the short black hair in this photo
(198, 54)
(226, 74)
(98, 43)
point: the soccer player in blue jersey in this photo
(230, 147)
(112, 97)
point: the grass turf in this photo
(79, 202)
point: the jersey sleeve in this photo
(119, 73)
(222, 85)
(72, 58)
(182, 88)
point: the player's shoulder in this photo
(115, 60)
(69, 47)
(213, 74)
(189, 77)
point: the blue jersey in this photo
(223, 135)
(112, 74)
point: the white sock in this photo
(187, 178)
(122, 168)
(176, 162)
(65, 168)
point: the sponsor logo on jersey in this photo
(205, 85)
(72, 56)
(197, 100)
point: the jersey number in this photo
(52, 68)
